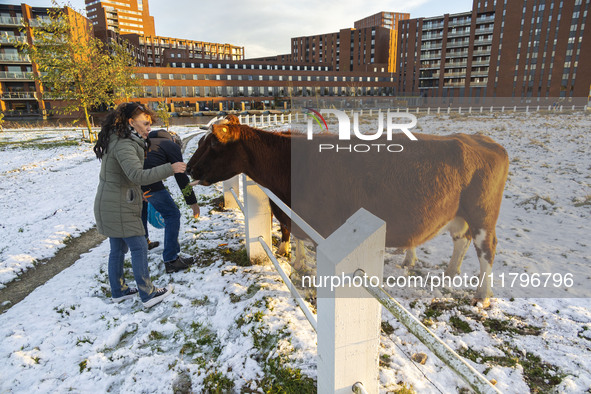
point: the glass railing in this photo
(15, 75)
(8, 57)
(458, 33)
(10, 21)
(19, 95)
(12, 39)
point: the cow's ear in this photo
(225, 132)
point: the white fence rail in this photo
(348, 322)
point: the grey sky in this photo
(265, 27)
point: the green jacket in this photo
(118, 201)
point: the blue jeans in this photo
(163, 203)
(139, 264)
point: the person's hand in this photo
(195, 208)
(179, 167)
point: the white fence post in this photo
(491, 109)
(275, 119)
(229, 200)
(348, 320)
(289, 118)
(503, 108)
(527, 109)
(240, 119)
(428, 110)
(257, 212)
(438, 109)
(459, 110)
(246, 120)
(448, 110)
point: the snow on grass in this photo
(47, 195)
(232, 326)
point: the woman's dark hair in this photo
(117, 122)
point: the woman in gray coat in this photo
(121, 148)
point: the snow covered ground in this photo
(233, 326)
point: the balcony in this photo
(19, 96)
(455, 75)
(459, 44)
(432, 26)
(431, 36)
(479, 73)
(430, 65)
(487, 30)
(9, 75)
(455, 64)
(12, 39)
(485, 19)
(432, 76)
(14, 58)
(38, 22)
(485, 52)
(10, 21)
(454, 84)
(480, 63)
(461, 22)
(429, 47)
(456, 54)
(431, 56)
(458, 33)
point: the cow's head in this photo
(219, 156)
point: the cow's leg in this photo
(285, 245)
(458, 229)
(485, 243)
(410, 258)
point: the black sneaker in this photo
(179, 264)
(130, 294)
(159, 295)
(152, 245)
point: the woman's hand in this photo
(179, 167)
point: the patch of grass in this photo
(404, 389)
(510, 326)
(387, 328)
(200, 301)
(217, 382)
(238, 257)
(585, 202)
(155, 336)
(281, 378)
(83, 365)
(541, 377)
(460, 325)
(80, 341)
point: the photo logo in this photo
(345, 128)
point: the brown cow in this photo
(439, 183)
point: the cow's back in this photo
(416, 191)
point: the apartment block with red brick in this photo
(518, 49)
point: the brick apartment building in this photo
(201, 74)
(518, 49)
(120, 16)
(19, 92)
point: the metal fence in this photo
(348, 322)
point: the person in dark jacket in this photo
(118, 203)
(164, 149)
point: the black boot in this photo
(179, 264)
